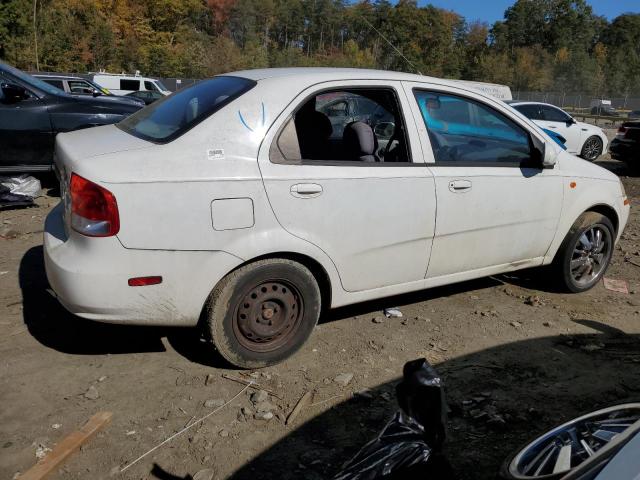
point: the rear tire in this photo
(585, 253)
(592, 149)
(262, 313)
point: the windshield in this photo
(171, 116)
(161, 86)
(29, 80)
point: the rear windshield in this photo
(171, 116)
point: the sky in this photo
(491, 10)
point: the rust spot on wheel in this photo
(268, 315)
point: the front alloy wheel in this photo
(585, 253)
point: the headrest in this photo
(360, 142)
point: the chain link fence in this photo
(577, 101)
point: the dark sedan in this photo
(32, 112)
(626, 145)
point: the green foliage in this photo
(540, 44)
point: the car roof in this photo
(58, 77)
(525, 102)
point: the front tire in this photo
(585, 253)
(262, 313)
(591, 149)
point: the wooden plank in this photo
(66, 447)
(304, 401)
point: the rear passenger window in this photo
(532, 112)
(56, 83)
(129, 84)
(465, 132)
(361, 125)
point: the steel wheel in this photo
(591, 255)
(591, 149)
(567, 446)
(268, 316)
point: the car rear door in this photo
(26, 134)
(375, 220)
(495, 212)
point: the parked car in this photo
(605, 111)
(227, 206)
(626, 145)
(634, 115)
(32, 112)
(582, 139)
(82, 86)
(122, 84)
(148, 97)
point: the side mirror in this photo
(571, 121)
(384, 129)
(543, 155)
(97, 93)
(12, 93)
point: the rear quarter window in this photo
(172, 116)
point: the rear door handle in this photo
(306, 190)
(459, 186)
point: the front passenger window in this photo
(463, 131)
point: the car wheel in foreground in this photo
(563, 449)
(263, 312)
(586, 251)
(591, 149)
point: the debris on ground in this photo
(343, 379)
(259, 397)
(392, 312)
(19, 190)
(377, 320)
(410, 445)
(615, 285)
(534, 301)
(214, 403)
(92, 393)
(304, 401)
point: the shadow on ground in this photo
(499, 399)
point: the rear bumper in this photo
(89, 277)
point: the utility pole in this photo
(35, 33)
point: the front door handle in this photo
(306, 190)
(460, 186)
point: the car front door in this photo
(26, 134)
(496, 209)
(374, 219)
(558, 121)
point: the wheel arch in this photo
(607, 211)
(601, 208)
(317, 270)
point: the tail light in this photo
(94, 210)
(622, 131)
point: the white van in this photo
(501, 92)
(122, 84)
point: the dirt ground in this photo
(516, 358)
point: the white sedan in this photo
(582, 139)
(230, 205)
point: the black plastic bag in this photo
(410, 445)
